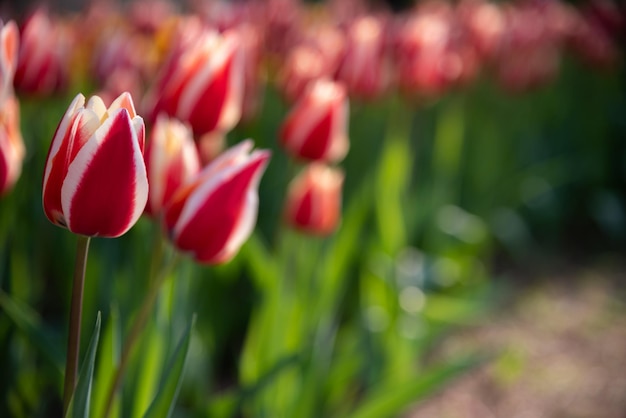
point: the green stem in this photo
(76, 310)
(138, 325)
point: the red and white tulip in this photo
(171, 161)
(44, 55)
(314, 200)
(202, 83)
(316, 128)
(95, 180)
(214, 214)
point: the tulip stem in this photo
(155, 283)
(76, 309)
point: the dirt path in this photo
(563, 345)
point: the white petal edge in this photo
(77, 103)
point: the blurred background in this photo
(478, 266)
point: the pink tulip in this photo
(9, 44)
(214, 214)
(95, 180)
(202, 83)
(171, 160)
(314, 200)
(11, 144)
(316, 127)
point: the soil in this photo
(562, 353)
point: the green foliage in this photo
(80, 403)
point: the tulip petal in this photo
(57, 162)
(123, 101)
(106, 186)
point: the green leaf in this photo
(29, 323)
(390, 401)
(108, 362)
(79, 405)
(164, 401)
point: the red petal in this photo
(317, 142)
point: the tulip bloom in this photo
(202, 83)
(11, 144)
(171, 160)
(314, 200)
(364, 68)
(9, 40)
(214, 214)
(95, 180)
(44, 55)
(316, 127)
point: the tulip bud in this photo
(95, 180)
(314, 200)
(316, 128)
(203, 83)
(213, 215)
(9, 40)
(11, 144)
(171, 160)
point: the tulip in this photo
(314, 200)
(215, 213)
(11, 144)
(316, 127)
(171, 160)
(303, 65)
(364, 69)
(9, 40)
(45, 48)
(202, 83)
(95, 181)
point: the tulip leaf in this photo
(29, 323)
(390, 401)
(108, 361)
(164, 401)
(79, 404)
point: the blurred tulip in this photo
(11, 144)
(530, 55)
(314, 200)
(364, 69)
(316, 127)
(592, 43)
(171, 160)
(9, 44)
(485, 24)
(433, 54)
(215, 213)
(203, 83)
(95, 180)
(43, 64)
(303, 65)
